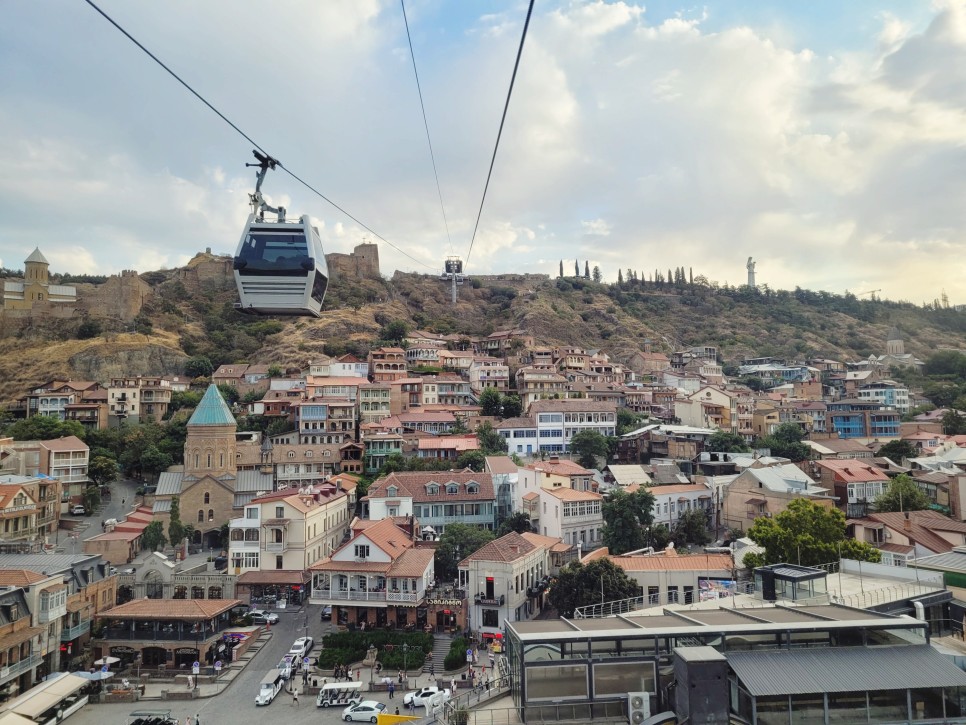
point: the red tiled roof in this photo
(189, 609)
(507, 548)
(415, 484)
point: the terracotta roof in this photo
(507, 548)
(922, 527)
(569, 494)
(67, 443)
(189, 609)
(19, 577)
(551, 542)
(531, 496)
(515, 423)
(897, 548)
(9, 490)
(560, 467)
(19, 637)
(500, 464)
(414, 486)
(691, 562)
(456, 443)
(853, 471)
(412, 563)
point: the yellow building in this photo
(35, 287)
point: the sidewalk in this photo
(155, 690)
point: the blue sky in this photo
(825, 139)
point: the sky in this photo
(826, 140)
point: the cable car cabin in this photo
(280, 268)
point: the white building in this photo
(560, 420)
(671, 501)
(504, 581)
(575, 517)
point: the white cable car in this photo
(279, 267)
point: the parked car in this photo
(286, 666)
(77, 510)
(260, 616)
(301, 647)
(326, 613)
(421, 696)
(365, 711)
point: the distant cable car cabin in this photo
(279, 267)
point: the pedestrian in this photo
(432, 670)
(400, 677)
(452, 686)
(412, 705)
(392, 689)
(197, 719)
(295, 697)
(397, 710)
(359, 675)
(122, 502)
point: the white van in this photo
(339, 693)
(287, 666)
(270, 687)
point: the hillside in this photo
(191, 314)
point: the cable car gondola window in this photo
(318, 287)
(274, 253)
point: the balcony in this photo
(70, 633)
(52, 614)
(17, 668)
(276, 547)
(494, 602)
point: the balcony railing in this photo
(69, 633)
(20, 667)
(357, 595)
(494, 601)
(53, 613)
(152, 636)
(275, 547)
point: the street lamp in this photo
(405, 649)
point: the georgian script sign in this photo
(446, 602)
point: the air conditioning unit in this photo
(638, 707)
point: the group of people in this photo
(344, 672)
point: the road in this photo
(236, 705)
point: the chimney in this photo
(906, 523)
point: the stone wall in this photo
(362, 263)
(120, 297)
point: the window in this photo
(251, 513)
(201, 516)
(279, 512)
(211, 514)
(432, 490)
(452, 489)
(472, 488)
(278, 562)
(491, 617)
(362, 551)
(207, 497)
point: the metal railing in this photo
(69, 633)
(622, 606)
(20, 667)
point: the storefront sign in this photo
(186, 651)
(123, 651)
(446, 602)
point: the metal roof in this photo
(169, 483)
(212, 410)
(844, 669)
(162, 506)
(254, 482)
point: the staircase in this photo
(441, 645)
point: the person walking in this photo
(392, 689)
(295, 698)
(197, 719)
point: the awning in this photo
(755, 500)
(290, 576)
(844, 669)
(46, 696)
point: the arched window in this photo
(207, 497)
(221, 460)
(201, 516)
(211, 514)
(196, 460)
(197, 592)
(214, 592)
(237, 535)
(209, 460)
(251, 534)
(180, 592)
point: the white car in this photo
(260, 616)
(301, 647)
(78, 510)
(422, 696)
(365, 711)
(286, 666)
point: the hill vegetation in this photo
(191, 319)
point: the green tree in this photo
(786, 442)
(589, 445)
(512, 406)
(89, 329)
(459, 427)
(175, 527)
(941, 393)
(561, 268)
(102, 470)
(229, 393)
(596, 273)
(394, 332)
(183, 399)
(581, 585)
(903, 494)
(198, 367)
(628, 420)
(807, 534)
(491, 402)
(627, 518)
(474, 460)
(897, 450)
(92, 498)
(946, 362)
(152, 538)
(518, 522)
(953, 423)
(153, 461)
(275, 371)
(491, 442)
(44, 428)
(725, 442)
(457, 542)
(691, 528)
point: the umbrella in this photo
(98, 675)
(107, 661)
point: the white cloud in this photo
(637, 143)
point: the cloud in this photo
(632, 140)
